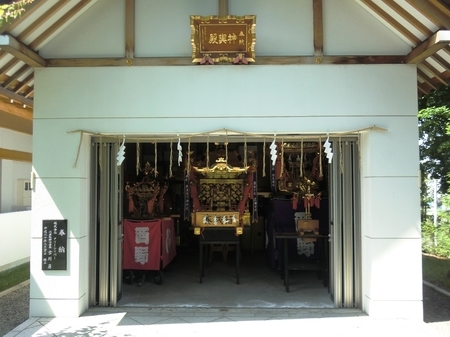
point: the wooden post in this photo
(318, 29)
(129, 30)
(223, 7)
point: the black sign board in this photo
(54, 245)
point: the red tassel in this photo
(130, 205)
(150, 205)
(317, 202)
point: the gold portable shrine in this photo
(220, 195)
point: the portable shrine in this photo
(220, 192)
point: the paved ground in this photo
(14, 310)
(436, 310)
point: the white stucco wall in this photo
(11, 171)
(15, 239)
(274, 99)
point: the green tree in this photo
(434, 136)
(434, 144)
(13, 9)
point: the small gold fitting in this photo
(129, 62)
(197, 230)
(319, 60)
(239, 230)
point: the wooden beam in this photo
(436, 15)
(24, 83)
(223, 7)
(442, 62)
(29, 92)
(391, 21)
(130, 22)
(422, 90)
(15, 155)
(408, 17)
(14, 110)
(29, 9)
(16, 75)
(264, 60)
(8, 66)
(16, 97)
(19, 50)
(439, 40)
(433, 71)
(318, 27)
(41, 20)
(36, 43)
(425, 78)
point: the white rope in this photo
(301, 158)
(156, 157)
(189, 156)
(100, 157)
(79, 149)
(288, 135)
(171, 160)
(311, 135)
(264, 158)
(226, 147)
(282, 157)
(207, 152)
(138, 155)
(320, 157)
(245, 151)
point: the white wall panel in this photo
(13, 140)
(59, 293)
(392, 207)
(164, 28)
(282, 27)
(392, 269)
(226, 91)
(58, 154)
(58, 284)
(15, 244)
(98, 31)
(61, 198)
(392, 160)
(349, 29)
(10, 172)
(150, 126)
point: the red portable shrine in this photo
(149, 245)
(149, 237)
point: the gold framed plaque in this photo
(223, 39)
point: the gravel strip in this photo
(14, 308)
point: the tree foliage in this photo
(434, 135)
(12, 10)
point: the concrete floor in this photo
(260, 286)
